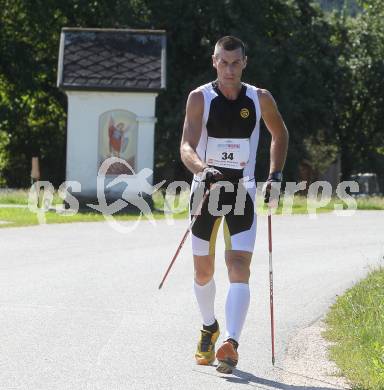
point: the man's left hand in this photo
(271, 189)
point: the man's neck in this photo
(231, 93)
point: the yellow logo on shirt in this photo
(244, 113)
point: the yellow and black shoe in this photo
(227, 356)
(205, 353)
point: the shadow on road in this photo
(246, 378)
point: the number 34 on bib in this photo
(230, 153)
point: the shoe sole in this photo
(204, 361)
(226, 366)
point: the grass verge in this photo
(12, 216)
(355, 326)
(20, 197)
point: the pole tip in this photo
(160, 285)
(273, 360)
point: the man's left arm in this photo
(275, 125)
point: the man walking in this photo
(219, 142)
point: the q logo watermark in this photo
(135, 186)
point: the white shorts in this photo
(238, 207)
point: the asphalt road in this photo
(80, 307)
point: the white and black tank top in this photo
(230, 131)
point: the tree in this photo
(325, 73)
(358, 100)
(284, 42)
(32, 109)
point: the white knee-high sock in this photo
(205, 296)
(236, 308)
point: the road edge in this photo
(306, 361)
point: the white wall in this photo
(84, 109)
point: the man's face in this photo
(229, 66)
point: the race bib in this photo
(230, 153)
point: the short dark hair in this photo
(230, 42)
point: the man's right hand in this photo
(211, 175)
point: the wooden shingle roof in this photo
(112, 60)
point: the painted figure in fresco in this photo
(118, 138)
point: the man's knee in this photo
(238, 265)
(238, 274)
(204, 269)
(202, 278)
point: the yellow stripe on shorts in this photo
(227, 237)
(212, 241)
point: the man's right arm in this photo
(192, 132)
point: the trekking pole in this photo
(271, 285)
(186, 235)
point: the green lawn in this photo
(355, 326)
(20, 197)
(24, 217)
(370, 203)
